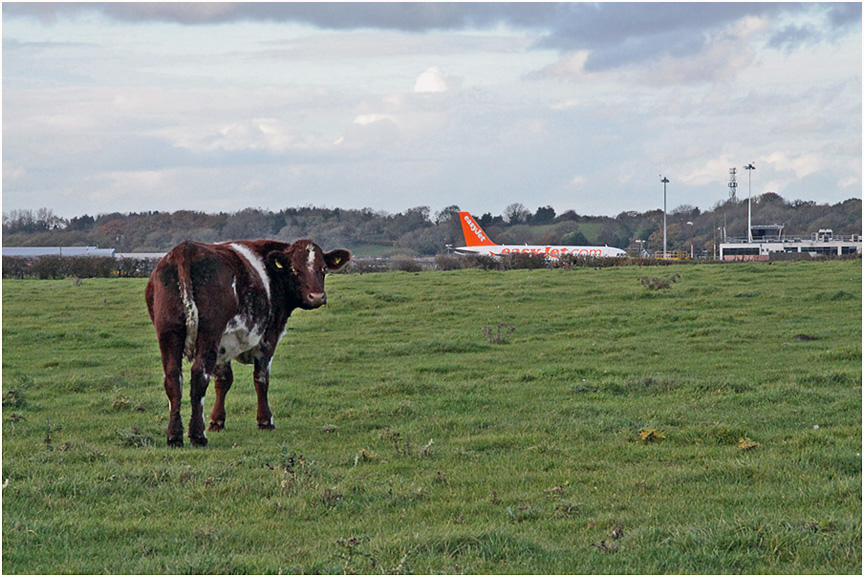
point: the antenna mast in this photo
(733, 185)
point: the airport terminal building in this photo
(769, 243)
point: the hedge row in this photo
(58, 267)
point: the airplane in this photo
(478, 242)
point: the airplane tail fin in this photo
(474, 235)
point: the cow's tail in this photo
(187, 296)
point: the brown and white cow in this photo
(214, 303)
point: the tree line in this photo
(420, 232)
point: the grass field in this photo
(616, 429)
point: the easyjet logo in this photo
(474, 228)
(555, 252)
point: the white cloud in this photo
(726, 53)
(565, 104)
(432, 80)
(800, 164)
(578, 181)
(12, 171)
(851, 182)
(570, 66)
(364, 119)
(102, 106)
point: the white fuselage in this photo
(550, 251)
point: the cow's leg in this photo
(224, 379)
(202, 369)
(171, 346)
(262, 383)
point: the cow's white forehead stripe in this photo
(310, 257)
(256, 263)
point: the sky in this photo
(222, 106)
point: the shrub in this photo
(522, 260)
(49, 267)
(90, 267)
(16, 267)
(406, 265)
(444, 262)
(58, 267)
(482, 261)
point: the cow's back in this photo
(191, 291)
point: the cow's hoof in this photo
(200, 440)
(214, 426)
(266, 426)
(175, 441)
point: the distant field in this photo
(371, 250)
(713, 426)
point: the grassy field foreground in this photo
(710, 427)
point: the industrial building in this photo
(37, 251)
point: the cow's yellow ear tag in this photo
(278, 264)
(337, 260)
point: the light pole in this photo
(691, 239)
(723, 232)
(665, 181)
(749, 169)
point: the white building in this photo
(769, 242)
(34, 251)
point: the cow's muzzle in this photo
(316, 299)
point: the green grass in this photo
(406, 442)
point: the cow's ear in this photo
(278, 261)
(337, 259)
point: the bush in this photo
(135, 267)
(16, 267)
(517, 260)
(49, 267)
(482, 261)
(58, 267)
(406, 265)
(444, 262)
(91, 267)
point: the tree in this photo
(448, 223)
(26, 220)
(84, 222)
(248, 223)
(676, 239)
(770, 198)
(516, 213)
(685, 212)
(447, 214)
(574, 238)
(544, 215)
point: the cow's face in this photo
(302, 267)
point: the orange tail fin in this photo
(474, 235)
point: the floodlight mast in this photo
(665, 181)
(749, 168)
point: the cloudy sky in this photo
(217, 107)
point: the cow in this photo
(214, 303)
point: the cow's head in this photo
(302, 267)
